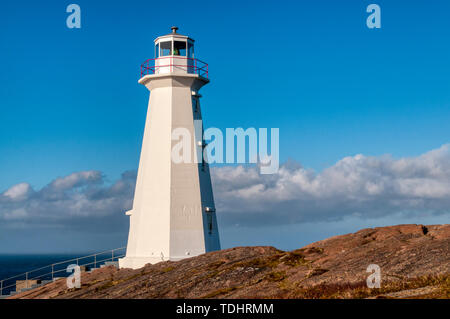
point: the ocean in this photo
(12, 265)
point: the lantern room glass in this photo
(179, 48)
(166, 48)
(174, 48)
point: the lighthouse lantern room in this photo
(174, 53)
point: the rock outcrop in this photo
(414, 262)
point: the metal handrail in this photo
(62, 270)
(53, 271)
(199, 67)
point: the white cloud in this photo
(355, 186)
(76, 179)
(75, 201)
(18, 192)
(363, 186)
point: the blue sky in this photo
(70, 101)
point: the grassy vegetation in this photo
(257, 262)
(112, 282)
(312, 250)
(316, 272)
(167, 269)
(219, 292)
(104, 286)
(215, 265)
(360, 290)
(276, 276)
(294, 258)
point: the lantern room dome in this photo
(174, 44)
(174, 33)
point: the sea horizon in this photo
(17, 264)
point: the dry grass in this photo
(219, 292)
(360, 290)
(275, 276)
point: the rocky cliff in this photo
(414, 261)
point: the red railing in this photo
(174, 63)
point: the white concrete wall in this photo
(168, 219)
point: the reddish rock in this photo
(413, 258)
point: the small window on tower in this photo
(179, 48)
(166, 48)
(195, 104)
(210, 224)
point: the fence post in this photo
(26, 278)
(77, 261)
(112, 253)
(95, 261)
(1, 288)
(53, 271)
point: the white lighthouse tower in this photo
(173, 215)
